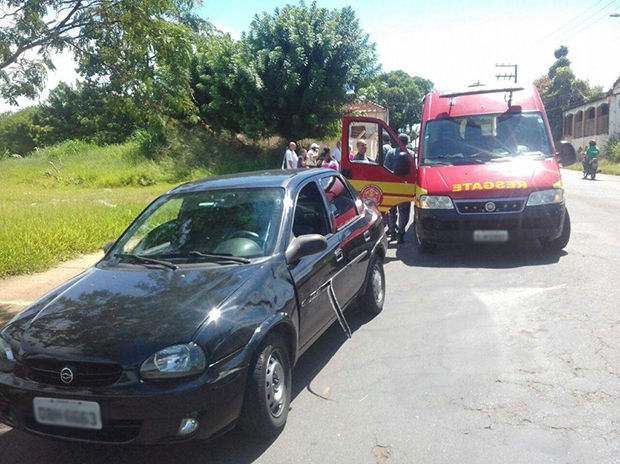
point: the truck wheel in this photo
(422, 245)
(268, 390)
(371, 301)
(560, 242)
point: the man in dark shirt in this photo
(362, 146)
(399, 165)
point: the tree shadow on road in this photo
(6, 314)
(488, 256)
(233, 447)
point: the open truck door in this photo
(371, 168)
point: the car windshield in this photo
(487, 138)
(204, 226)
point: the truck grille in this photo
(85, 374)
(496, 223)
(506, 205)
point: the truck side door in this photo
(366, 145)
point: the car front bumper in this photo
(137, 413)
(534, 222)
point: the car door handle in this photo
(339, 255)
(367, 235)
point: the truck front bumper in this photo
(450, 226)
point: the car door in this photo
(353, 231)
(312, 272)
(371, 172)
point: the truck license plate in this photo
(68, 413)
(490, 236)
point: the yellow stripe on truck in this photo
(387, 187)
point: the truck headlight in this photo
(174, 362)
(7, 360)
(436, 202)
(546, 197)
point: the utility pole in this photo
(506, 75)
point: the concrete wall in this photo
(589, 129)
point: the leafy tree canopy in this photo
(560, 88)
(86, 112)
(289, 75)
(16, 137)
(141, 48)
(401, 94)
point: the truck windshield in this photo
(488, 138)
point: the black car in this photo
(193, 320)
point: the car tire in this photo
(268, 390)
(373, 299)
(422, 245)
(560, 242)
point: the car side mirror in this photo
(107, 247)
(567, 154)
(305, 245)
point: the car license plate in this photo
(68, 413)
(490, 236)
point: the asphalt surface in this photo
(482, 354)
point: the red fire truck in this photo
(486, 169)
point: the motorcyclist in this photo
(592, 152)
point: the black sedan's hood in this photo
(125, 315)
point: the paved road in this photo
(486, 354)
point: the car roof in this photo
(481, 100)
(256, 179)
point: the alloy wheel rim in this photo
(275, 385)
(377, 284)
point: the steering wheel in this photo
(245, 234)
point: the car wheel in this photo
(560, 242)
(268, 390)
(422, 245)
(372, 300)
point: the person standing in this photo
(398, 216)
(329, 162)
(313, 155)
(337, 153)
(302, 161)
(290, 157)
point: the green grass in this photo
(604, 166)
(71, 198)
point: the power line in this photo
(589, 25)
(587, 19)
(570, 22)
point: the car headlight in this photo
(7, 360)
(174, 362)
(546, 197)
(436, 202)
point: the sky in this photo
(455, 43)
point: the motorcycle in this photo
(590, 168)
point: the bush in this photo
(16, 132)
(612, 148)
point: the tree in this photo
(16, 137)
(401, 94)
(86, 112)
(289, 75)
(142, 48)
(560, 88)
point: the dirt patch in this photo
(381, 453)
